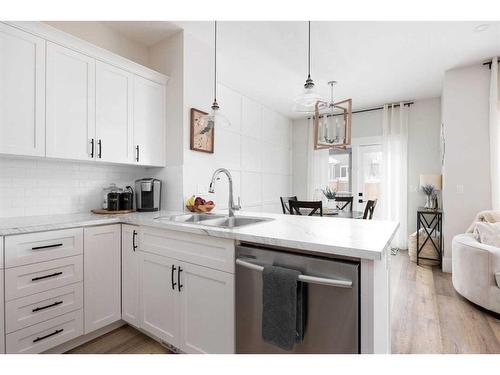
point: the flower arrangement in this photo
(431, 193)
(329, 193)
(429, 190)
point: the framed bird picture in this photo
(202, 137)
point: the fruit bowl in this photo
(201, 208)
(198, 204)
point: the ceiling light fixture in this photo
(307, 100)
(215, 117)
(332, 122)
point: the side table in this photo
(431, 221)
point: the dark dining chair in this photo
(285, 205)
(295, 207)
(343, 202)
(370, 207)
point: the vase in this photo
(428, 203)
(330, 203)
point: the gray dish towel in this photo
(284, 307)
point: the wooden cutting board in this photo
(101, 211)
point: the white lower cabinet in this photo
(2, 318)
(187, 305)
(102, 276)
(158, 299)
(43, 336)
(130, 275)
(206, 310)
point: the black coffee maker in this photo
(147, 194)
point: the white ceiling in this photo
(374, 62)
(144, 32)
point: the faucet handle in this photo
(238, 206)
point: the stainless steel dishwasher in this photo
(332, 309)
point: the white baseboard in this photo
(446, 264)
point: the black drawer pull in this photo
(179, 285)
(99, 154)
(172, 277)
(46, 307)
(137, 153)
(46, 276)
(134, 234)
(47, 336)
(46, 246)
(92, 149)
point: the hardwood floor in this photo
(124, 340)
(429, 316)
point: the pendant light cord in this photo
(309, 52)
(215, 61)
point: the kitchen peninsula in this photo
(160, 253)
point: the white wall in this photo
(424, 151)
(103, 36)
(423, 148)
(43, 187)
(167, 57)
(256, 148)
(466, 166)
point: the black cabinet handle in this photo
(47, 336)
(172, 277)
(137, 153)
(46, 307)
(99, 143)
(46, 246)
(134, 234)
(46, 276)
(92, 148)
(179, 285)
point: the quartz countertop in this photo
(366, 239)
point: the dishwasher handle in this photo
(303, 278)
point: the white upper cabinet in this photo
(102, 276)
(70, 101)
(149, 122)
(114, 90)
(22, 93)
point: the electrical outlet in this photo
(460, 189)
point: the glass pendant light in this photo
(215, 117)
(307, 99)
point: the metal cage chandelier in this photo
(332, 122)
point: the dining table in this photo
(334, 213)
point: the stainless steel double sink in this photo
(213, 220)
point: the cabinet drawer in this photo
(35, 278)
(27, 311)
(217, 253)
(39, 247)
(43, 336)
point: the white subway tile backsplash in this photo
(42, 187)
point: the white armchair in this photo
(476, 271)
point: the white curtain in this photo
(494, 136)
(393, 200)
(317, 166)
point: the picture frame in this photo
(200, 142)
